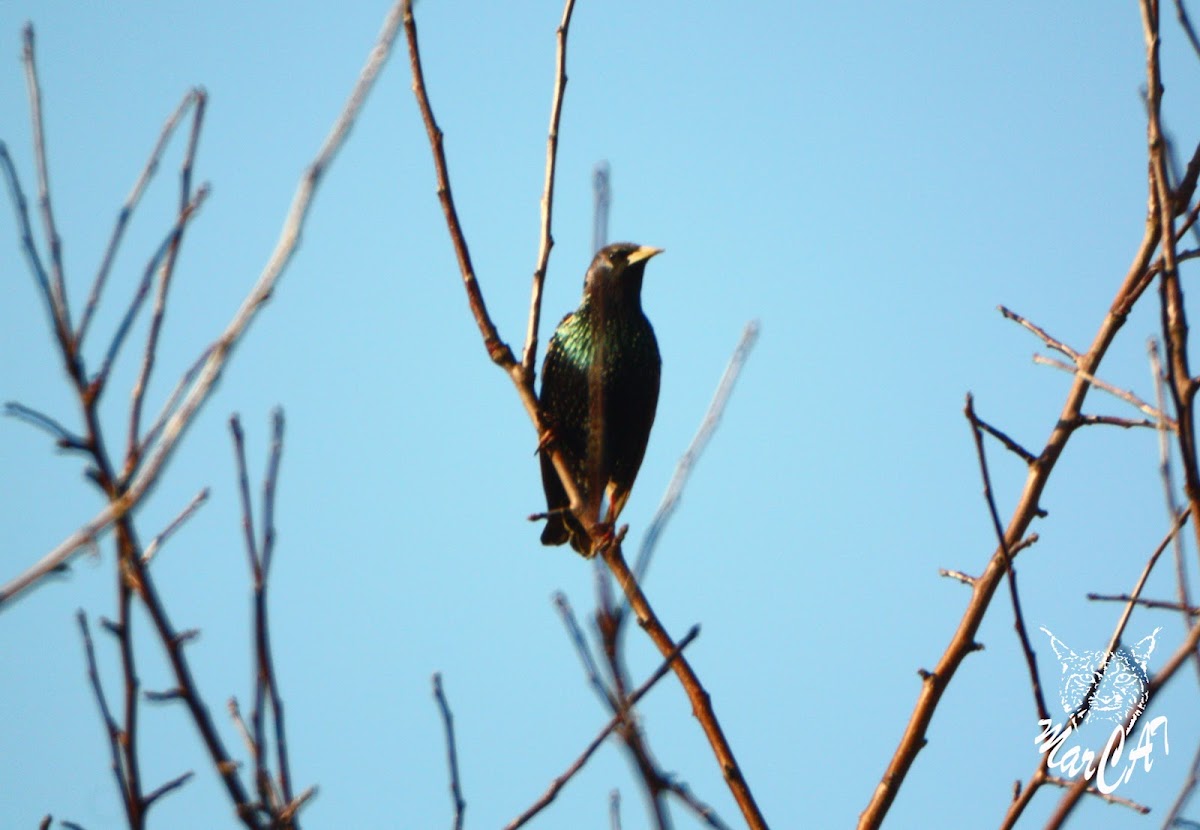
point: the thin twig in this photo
(1114, 421)
(64, 438)
(172, 402)
(21, 208)
(257, 710)
(165, 249)
(1024, 454)
(112, 730)
(157, 542)
(1159, 604)
(1018, 617)
(266, 657)
(969, 580)
(965, 579)
(150, 352)
(193, 96)
(546, 240)
(58, 321)
(235, 714)
(170, 786)
(1123, 394)
(1051, 342)
(460, 806)
(702, 811)
(1109, 797)
(58, 286)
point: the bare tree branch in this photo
(687, 461)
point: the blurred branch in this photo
(602, 196)
(1186, 23)
(687, 461)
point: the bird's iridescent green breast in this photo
(628, 340)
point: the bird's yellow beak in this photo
(643, 253)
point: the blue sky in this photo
(868, 180)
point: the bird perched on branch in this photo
(599, 394)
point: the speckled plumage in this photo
(610, 332)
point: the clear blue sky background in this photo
(869, 180)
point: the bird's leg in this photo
(602, 537)
(616, 501)
(546, 440)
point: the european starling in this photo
(599, 393)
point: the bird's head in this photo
(617, 270)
